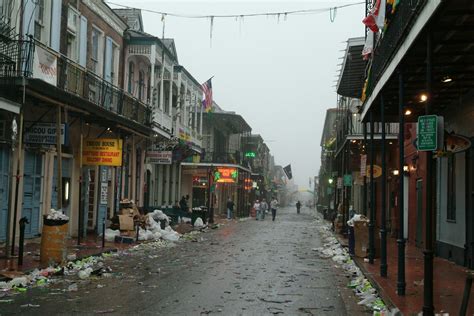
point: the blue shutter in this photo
(55, 24)
(4, 185)
(108, 59)
(29, 18)
(83, 42)
(31, 192)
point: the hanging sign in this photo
(102, 152)
(45, 66)
(377, 171)
(159, 157)
(44, 134)
(430, 132)
(363, 165)
(457, 143)
(226, 175)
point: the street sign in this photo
(347, 180)
(339, 182)
(429, 132)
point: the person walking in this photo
(298, 207)
(230, 208)
(258, 211)
(263, 208)
(273, 206)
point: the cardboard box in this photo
(126, 222)
(361, 235)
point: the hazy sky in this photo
(279, 75)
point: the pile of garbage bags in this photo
(333, 250)
(56, 215)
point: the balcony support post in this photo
(59, 157)
(401, 285)
(364, 198)
(428, 308)
(372, 192)
(383, 229)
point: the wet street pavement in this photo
(243, 268)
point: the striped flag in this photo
(207, 100)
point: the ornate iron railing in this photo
(399, 26)
(17, 60)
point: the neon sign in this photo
(226, 175)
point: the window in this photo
(451, 207)
(115, 64)
(39, 17)
(5, 10)
(141, 84)
(72, 35)
(97, 42)
(131, 75)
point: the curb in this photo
(380, 291)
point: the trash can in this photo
(53, 241)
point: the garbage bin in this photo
(53, 241)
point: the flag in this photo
(207, 100)
(376, 19)
(288, 173)
(368, 46)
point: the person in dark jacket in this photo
(298, 207)
(230, 208)
(183, 204)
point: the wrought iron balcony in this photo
(397, 29)
(223, 157)
(17, 59)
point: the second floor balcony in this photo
(52, 74)
(223, 157)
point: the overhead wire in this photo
(209, 16)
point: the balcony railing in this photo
(17, 60)
(223, 157)
(397, 29)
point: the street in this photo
(243, 268)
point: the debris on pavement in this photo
(359, 284)
(57, 215)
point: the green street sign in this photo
(427, 132)
(347, 180)
(250, 154)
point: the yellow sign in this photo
(102, 152)
(377, 171)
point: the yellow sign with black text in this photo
(102, 152)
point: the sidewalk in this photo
(449, 280)
(90, 246)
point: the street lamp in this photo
(330, 180)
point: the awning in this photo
(233, 122)
(9, 106)
(352, 75)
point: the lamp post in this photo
(383, 229)
(401, 144)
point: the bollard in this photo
(23, 222)
(467, 292)
(103, 233)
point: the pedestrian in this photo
(183, 204)
(230, 208)
(298, 207)
(264, 208)
(273, 206)
(256, 206)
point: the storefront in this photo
(226, 181)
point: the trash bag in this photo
(110, 234)
(198, 222)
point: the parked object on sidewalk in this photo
(53, 238)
